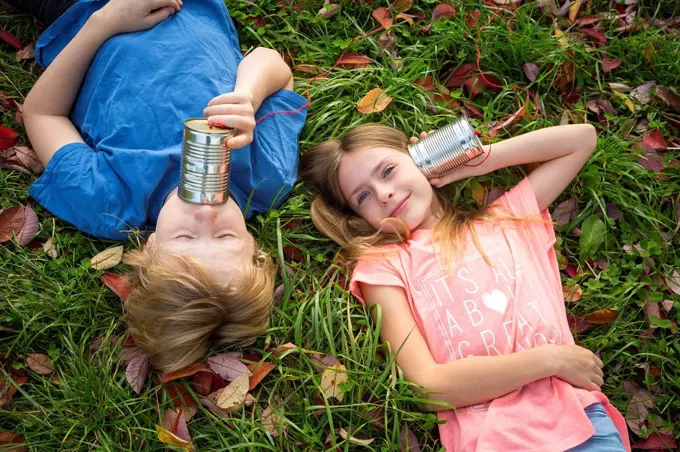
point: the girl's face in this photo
(380, 183)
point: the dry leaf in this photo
(657, 441)
(169, 438)
(478, 194)
(354, 60)
(184, 372)
(673, 282)
(408, 441)
(382, 16)
(258, 371)
(202, 382)
(443, 10)
(176, 423)
(25, 53)
(39, 363)
(271, 419)
(669, 97)
(108, 258)
(602, 316)
(375, 100)
(649, 53)
(233, 395)
(29, 159)
(346, 436)
(14, 439)
(531, 71)
(136, 372)
(227, 366)
(609, 65)
(572, 293)
(331, 380)
(643, 93)
(11, 222)
(573, 9)
(329, 11)
(281, 349)
(117, 283)
(31, 227)
(50, 248)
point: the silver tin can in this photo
(446, 148)
(204, 171)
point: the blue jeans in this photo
(606, 438)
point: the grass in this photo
(59, 306)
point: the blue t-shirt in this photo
(135, 97)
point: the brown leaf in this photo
(637, 411)
(346, 436)
(597, 34)
(13, 439)
(667, 305)
(10, 39)
(176, 423)
(50, 248)
(184, 372)
(169, 438)
(136, 372)
(354, 60)
(39, 363)
(209, 404)
(669, 97)
(655, 139)
(382, 16)
(271, 418)
(117, 283)
(573, 9)
(602, 316)
(281, 349)
(233, 395)
(26, 53)
(402, 5)
(29, 159)
(673, 282)
(258, 371)
(643, 93)
(609, 65)
(108, 258)
(321, 363)
(331, 380)
(408, 441)
(329, 10)
(9, 388)
(443, 10)
(513, 118)
(572, 293)
(577, 323)
(565, 212)
(649, 53)
(374, 101)
(531, 71)
(11, 222)
(31, 227)
(227, 366)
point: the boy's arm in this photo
(48, 104)
(260, 74)
(564, 149)
(474, 379)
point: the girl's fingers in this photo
(413, 139)
(423, 134)
(437, 182)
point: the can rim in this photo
(215, 130)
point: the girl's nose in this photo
(385, 193)
(205, 214)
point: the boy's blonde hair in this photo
(333, 216)
(178, 309)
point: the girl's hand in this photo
(234, 110)
(127, 16)
(578, 366)
(456, 174)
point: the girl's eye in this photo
(387, 171)
(224, 236)
(184, 236)
(362, 197)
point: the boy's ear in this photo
(150, 241)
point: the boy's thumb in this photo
(159, 15)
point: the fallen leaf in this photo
(443, 10)
(39, 363)
(513, 118)
(374, 101)
(577, 323)
(649, 53)
(108, 258)
(320, 363)
(602, 316)
(673, 282)
(201, 382)
(227, 366)
(669, 97)
(29, 159)
(565, 212)
(346, 436)
(26, 53)
(50, 248)
(281, 349)
(12, 439)
(331, 380)
(136, 372)
(472, 18)
(117, 283)
(643, 93)
(382, 16)
(655, 139)
(478, 194)
(11, 222)
(169, 438)
(354, 60)
(8, 138)
(573, 9)
(667, 305)
(234, 394)
(179, 395)
(402, 5)
(637, 411)
(572, 293)
(652, 310)
(10, 39)
(31, 227)
(657, 441)
(531, 71)
(597, 34)
(459, 76)
(609, 65)
(329, 11)
(9, 388)
(258, 371)
(271, 420)
(175, 422)
(408, 441)
(209, 404)
(184, 372)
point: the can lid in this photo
(201, 125)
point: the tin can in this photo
(204, 170)
(446, 148)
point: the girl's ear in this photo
(150, 241)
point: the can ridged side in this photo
(446, 148)
(205, 165)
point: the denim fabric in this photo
(606, 437)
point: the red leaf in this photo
(176, 423)
(443, 10)
(184, 372)
(10, 39)
(408, 441)
(565, 212)
(294, 253)
(354, 60)
(11, 222)
(656, 441)
(217, 383)
(655, 139)
(458, 77)
(577, 323)
(8, 138)
(425, 83)
(117, 283)
(136, 372)
(381, 15)
(258, 372)
(595, 34)
(491, 82)
(12, 438)
(472, 18)
(179, 395)
(202, 382)
(609, 65)
(531, 71)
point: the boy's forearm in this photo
(479, 379)
(55, 91)
(538, 146)
(262, 73)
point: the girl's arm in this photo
(563, 149)
(259, 75)
(475, 379)
(48, 104)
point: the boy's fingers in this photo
(160, 15)
(227, 98)
(227, 109)
(233, 121)
(158, 4)
(239, 140)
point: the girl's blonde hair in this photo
(178, 309)
(333, 216)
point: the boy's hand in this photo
(127, 16)
(233, 110)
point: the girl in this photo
(472, 302)
(106, 120)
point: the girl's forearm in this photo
(262, 73)
(540, 145)
(479, 379)
(55, 91)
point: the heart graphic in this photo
(495, 300)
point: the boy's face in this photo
(214, 235)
